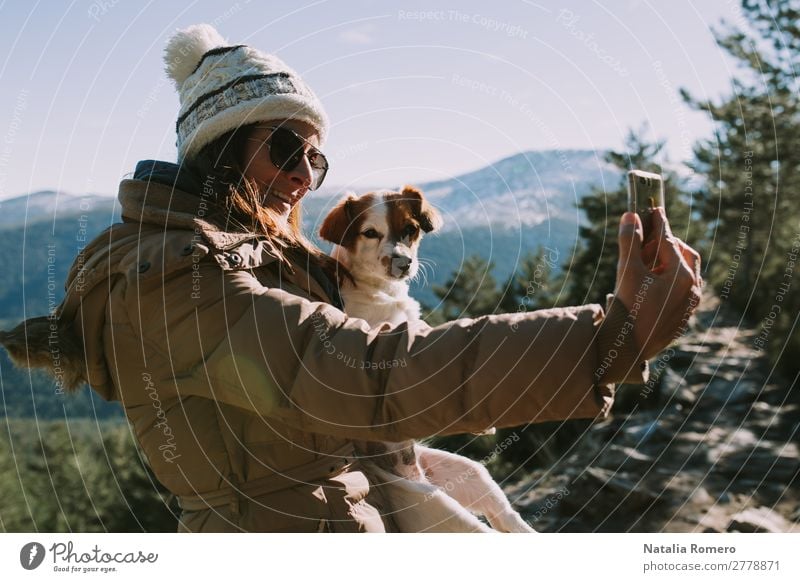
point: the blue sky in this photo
(415, 90)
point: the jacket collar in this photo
(167, 195)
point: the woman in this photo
(217, 325)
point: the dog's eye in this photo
(371, 233)
(409, 230)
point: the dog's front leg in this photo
(470, 483)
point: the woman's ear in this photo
(336, 227)
(428, 217)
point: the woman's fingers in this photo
(686, 282)
(630, 245)
(650, 254)
(674, 255)
(692, 258)
(669, 256)
(661, 225)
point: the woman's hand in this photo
(659, 282)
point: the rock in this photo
(726, 442)
(711, 435)
(770, 422)
(609, 491)
(758, 519)
(703, 373)
(685, 355)
(775, 463)
(736, 363)
(774, 394)
(617, 458)
(689, 348)
(719, 339)
(692, 454)
(701, 496)
(716, 520)
(630, 397)
(639, 434)
(725, 392)
(674, 389)
(763, 411)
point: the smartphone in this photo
(645, 192)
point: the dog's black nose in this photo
(402, 263)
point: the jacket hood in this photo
(166, 195)
(169, 174)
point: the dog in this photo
(376, 237)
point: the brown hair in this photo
(236, 204)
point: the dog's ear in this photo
(428, 217)
(336, 225)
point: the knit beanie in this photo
(222, 87)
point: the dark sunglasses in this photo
(287, 150)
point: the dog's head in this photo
(380, 232)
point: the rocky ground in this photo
(709, 445)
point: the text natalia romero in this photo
(690, 549)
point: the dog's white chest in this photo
(379, 307)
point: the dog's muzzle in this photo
(400, 265)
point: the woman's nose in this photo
(301, 176)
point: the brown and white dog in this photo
(377, 236)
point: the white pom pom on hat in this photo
(187, 47)
(222, 87)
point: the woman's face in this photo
(280, 190)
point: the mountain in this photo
(38, 253)
(527, 189)
(51, 206)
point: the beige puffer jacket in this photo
(245, 386)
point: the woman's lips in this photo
(289, 199)
(282, 196)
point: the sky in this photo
(415, 91)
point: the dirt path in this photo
(709, 444)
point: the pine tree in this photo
(74, 478)
(752, 165)
(471, 291)
(532, 286)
